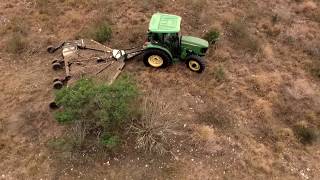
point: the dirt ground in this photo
(238, 117)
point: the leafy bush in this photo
(212, 36)
(102, 33)
(96, 111)
(99, 31)
(110, 141)
(219, 74)
(305, 134)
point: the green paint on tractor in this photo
(166, 42)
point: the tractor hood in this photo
(194, 41)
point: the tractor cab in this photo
(165, 43)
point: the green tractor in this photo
(165, 44)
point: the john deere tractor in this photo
(165, 44)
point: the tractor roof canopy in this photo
(164, 23)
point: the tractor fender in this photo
(153, 46)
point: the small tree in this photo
(96, 111)
(212, 36)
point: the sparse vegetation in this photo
(154, 127)
(219, 73)
(16, 44)
(99, 31)
(316, 71)
(96, 111)
(212, 36)
(312, 48)
(18, 25)
(46, 7)
(218, 118)
(59, 144)
(305, 135)
(102, 33)
(242, 38)
(237, 120)
(152, 4)
(17, 31)
(196, 6)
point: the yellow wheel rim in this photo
(155, 61)
(194, 65)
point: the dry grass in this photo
(15, 25)
(242, 37)
(17, 31)
(155, 127)
(195, 9)
(315, 71)
(46, 7)
(219, 118)
(100, 31)
(306, 135)
(312, 48)
(219, 73)
(102, 5)
(16, 44)
(315, 16)
(197, 5)
(152, 4)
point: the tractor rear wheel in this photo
(195, 63)
(156, 58)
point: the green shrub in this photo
(101, 32)
(305, 134)
(316, 72)
(110, 141)
(212, 36)
(219, 73)
(94, 110)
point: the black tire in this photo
(53, 105)
(51, 49)
(57, 84)
(56, 66)
(55, 80)
(195, 63)
(165, 57)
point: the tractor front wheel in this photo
(195, 63)
(156, 58)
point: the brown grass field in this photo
(253, 114)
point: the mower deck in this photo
(88, 58)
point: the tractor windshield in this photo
(172, 42)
